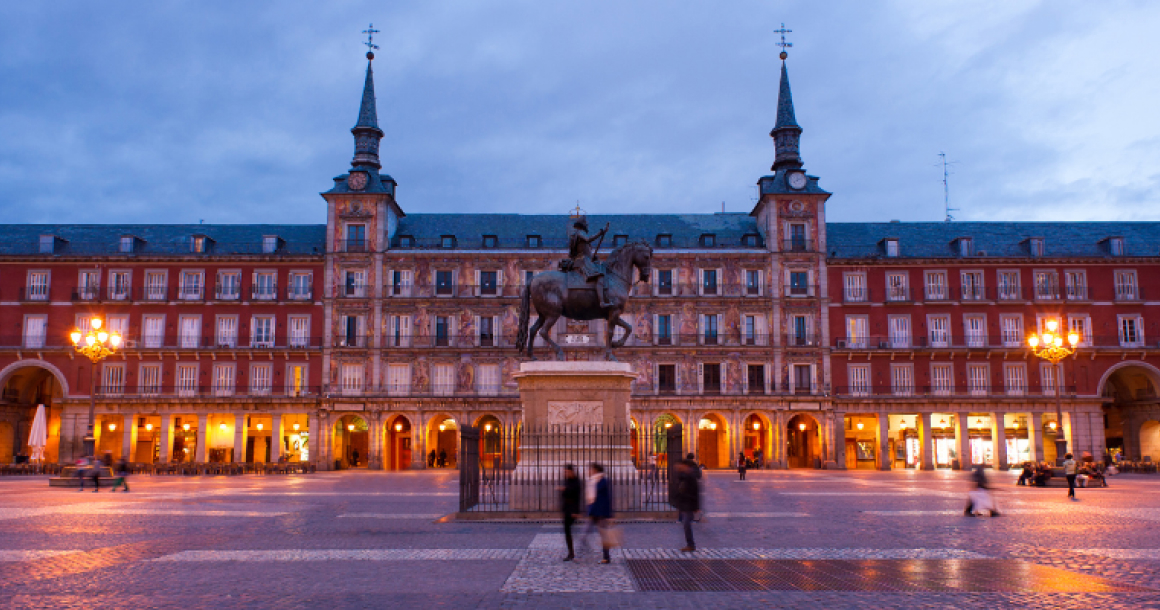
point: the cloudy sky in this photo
(240, 112)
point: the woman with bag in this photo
(600, 509)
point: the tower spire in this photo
(366, 131)
(786, 132)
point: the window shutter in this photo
(700, 281)
(744, 377)
(478, 280)
(654, 281)
(721, 281)
(762, 336)
(675, 328)
(700, 378)
(390, 282)
(453, 331)
(719, 329)
(496, 333)
(792, 378)
(478, 328)
(656, 320)
(760, 282)
(701, 328)
(767, 374)
(499, 283)
(813, 379)
(405, 330)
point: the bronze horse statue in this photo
(565, 293)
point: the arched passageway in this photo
(713, 442)
(1131, 408)
(803, 442)
(399, 442)
(442, 442)
(27, 384)
(351, 442)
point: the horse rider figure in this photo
(583, 257)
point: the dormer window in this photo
(708, 240)
(1116, 246)
(1036, 245)
(199, 244)
(892, 248)
(619, 240)
(47, 244)
(534, 241)
(447, 241)
(489, 241)
(751, 240)
(270, 244)
(664, 240)
(966, 246)
(406, 241)
(127, 245)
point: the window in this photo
(190, 285)
(857, 331)
(978, 381)
(896, 287)
(902, 379)
(665, 282)
(356, 238)
(487, 379)
(1047, 381)
(401, 281)
(936, 285)
(753, 282)
(709, 324)
(119, 324)
(802, 378)
(1126, 287)
(1009, 285)
(399, 379)
(939, 331)
(708, 281)
(88, 285)
(265, 285)
(227, 331)
(1046, 286)
(859, 379)
(1131, 331)
(800, 331)
(118, 285)
(228, 285)
(1116, 246)
(444, 283)
(354, 283)
(83, 323)
(269, 244)
(187, 380)
(447, 241)
(708, 240)
(755, 379)
(485, 329)
(753, 328)
(198, 244)
(1012, 330)
(35, 330)
(190, 332)
(406, 241)
(350, 379)
(155, 287)
(797, 237)
(534, 241)
(975, 330)
(443, 379)
(667, 378)
(262, 331)
(966, 246)
(223, 379)
(353, 329)
(490, 241)
(1082, 326)
(1036, 246)
(1015, 379)
(942, 379)
(149, 379)
(710, 378)
(261, 380)
(153, 331)
(488, 284)
(900, 332)
(301, 285)
(296, 380)
(47, 244)
(38, 285)
(619, 240)
(751, 240)
(1076, 284)
(855, 287)
(973, 286)
(399, 331)
(126, 245)
(892, 248)
(442, 331)
(664, 240)
(799, 284)
(664, 327)
(299, 331)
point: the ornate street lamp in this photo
(96, 345)
(1049, 345)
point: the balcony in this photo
(300, 293)
(798, 245)
(800, 291)
(118, 293)
(211, 390)
(898, 294)
(958, 391)
(1128, 293)
(852, 294)
(802, 340)
(353, 291)
(1077, 293)
(86, 293)
(36, 293)
(353, 246)
(263, 293)
(973, 293)
(153, 293)
(227, 293)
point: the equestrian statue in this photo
(584, 288)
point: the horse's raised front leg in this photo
(544, 332)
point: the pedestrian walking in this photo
(741, 465)
(122, 476)
(82, 471)
(1069, 472)
(443, 458)
(599, 507)
(980, 499)
(95, 471)
(570, 506)
(687, 500)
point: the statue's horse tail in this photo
(525, 313)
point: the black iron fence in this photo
(522, 469)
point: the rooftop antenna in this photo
(946, 186)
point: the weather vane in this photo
(783, 44)
(370, 43)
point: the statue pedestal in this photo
(573, 413)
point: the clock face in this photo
(797, 180)
(357, 180)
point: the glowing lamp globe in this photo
(1033, 341)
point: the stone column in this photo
(1035, 436)
(926, 438)
(419, 440)
(202, 425)
(239, 438)
(130, 437)
(376, 431)
(885, 460)
(838, 439)
(166, 433)
(999, 441)
(963, 439)
(276, 437)
(314, 443)
(780, 440)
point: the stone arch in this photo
(7, 372)
(803, 443)
(760, 439)
(399, 442)
(713, 447)
(1152, 373)
(442, 439)
(351, 441)
(1131, 393)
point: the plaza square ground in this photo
(780, 539)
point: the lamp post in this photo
(1049, 345)
(96, 345)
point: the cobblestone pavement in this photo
(777, 540)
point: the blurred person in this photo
(431, 459)
(122, 476)
(687, 499)
(599, 500)
(1069, 470)
(570, 505)
(741, 465)
(1027, 475)
(95, 472)
(980, 499)
(82, 471)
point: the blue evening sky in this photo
(141, 112)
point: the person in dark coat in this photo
(431, 459)
(687, 500)
(599, 504)
(122, 475)
(570, 505)
(741, 465)
(442, 458)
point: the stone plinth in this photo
(573, 413)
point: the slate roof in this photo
(511, 230)
(97, 240)
(990, 239)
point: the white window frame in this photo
(351, 378)
(1011, 329)
(156, 285)
(113, 378)
(902, 379)
(1081, 324)
(897, 286)
(35, 330)
(443, 379)
(149, 381)
(900, 331)
(156, 338)
(1131, 330)
(222, 289)
(119, 290)
(932, 337)
(942, 379)
(936, 285)
(185, 380)
(1046, 283)
(854, 288)
(1047, 383)
(191, 285)
(1007, 285)
(298, 331)
(189, 331)
(406, 281)
(399, 379)
(978, 379)
(972, 285)
(1075, 284)
(857, 331)
(1015, 378)
(1127, 285)
(300, 285)
(226, 331)
(39, 281)
(760, 282)
(224, 378)
(265, 285)
(269, 339)
(859, 379)
(892, 248)
(261, 379)
(487, 379)
(975, 330)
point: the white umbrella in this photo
(38, 438)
